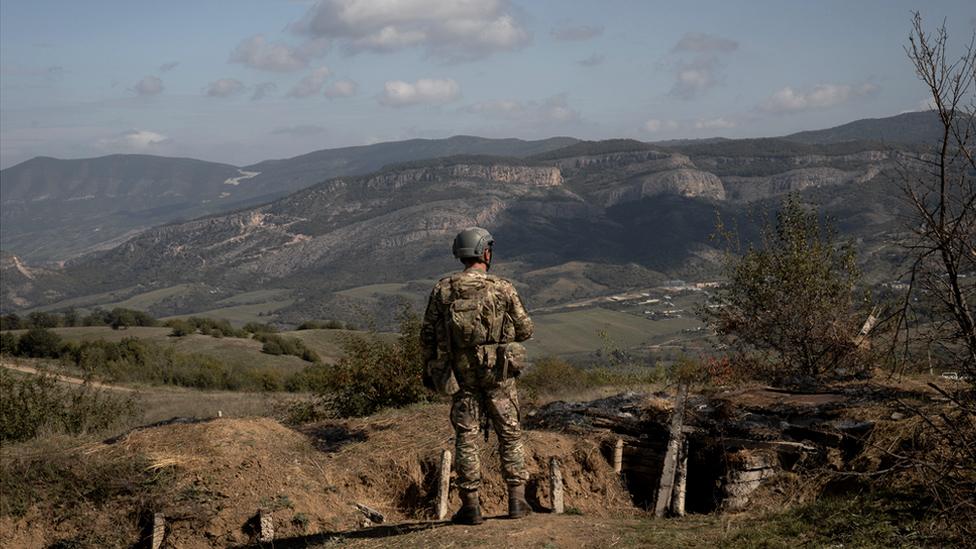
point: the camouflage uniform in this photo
(484, 388)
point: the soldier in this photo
(470, 336)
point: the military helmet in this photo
(471, 243)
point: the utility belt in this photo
(484, 366)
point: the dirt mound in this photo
(222, 471)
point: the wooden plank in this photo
(556, 486)
(158, 530)
(444, 485)
(671, 457)
(618, 456)
(680, 482)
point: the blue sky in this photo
(246, 80)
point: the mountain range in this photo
(573, 219)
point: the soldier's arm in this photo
(520, 319)
(428, 329)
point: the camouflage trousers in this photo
(500, 403)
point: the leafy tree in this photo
(8, 343)
(10, 322)
(41, 319)
(789, 302)
(39, 343)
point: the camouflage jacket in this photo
(505, 315)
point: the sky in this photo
(240, 81)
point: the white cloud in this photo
(311, 84)
(821, 96)
(576, 34)
(698, 62)
(693, 78)
(256, 52)
(591, 61)
(166, 67)
(720, 123)
(655, 125)
(555, 109)
(133, 141)
(452, 30)
(150, 85)
(397, 93)
(699, 42)
(263, 90)
(341, 88)
(225, 87)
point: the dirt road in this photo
(62, 378)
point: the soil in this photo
(225, 470)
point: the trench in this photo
(732, 451)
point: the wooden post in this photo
(680, 482)
(556, 486)
(444, 485)
(158, 530)
(618, 456)
(671, 457)
(265, 526)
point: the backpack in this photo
(471, 316)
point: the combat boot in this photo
(470, 511)
(517, 506)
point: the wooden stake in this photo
(556, 486)
(680, 482)
(265, 526)
(671, 457)
(158, 530)
(444, 485)
(618, 456)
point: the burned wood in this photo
(372, 514)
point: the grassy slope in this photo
(578, 331)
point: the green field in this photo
(394, 289)
(327, 342)
(257, 296)
(242, 314)
(577, 331)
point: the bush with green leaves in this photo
(788, 304)
(373, 374)
(260, 328)
(8, 344)
(39, 343)
(275, 344)
(34, 404)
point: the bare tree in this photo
(943, 198)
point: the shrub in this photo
(373, 374)
(791, 298)
(8, 343)
(39, 343)
(322, 325)
(32, 404)
(280, 345)
(180, 328)
(260, 328)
